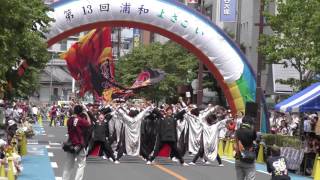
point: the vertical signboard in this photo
(136, 38)
(228, 10)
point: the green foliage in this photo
(170, 57)
(296, 36)
(22, 24)
(282, 141)
(28, 84)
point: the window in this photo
(55, 91)
(126, 46)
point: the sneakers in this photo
(104, 157)
(192, 164)
(110, 159)
(185, 164)
(148, 163)
(221, 165)
(174, 159)
(207, 163)
(117, 162)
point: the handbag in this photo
(69, 147)
(246, 155)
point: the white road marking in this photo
(57, 147)
(50, 154)
(33, 143)
(229, 161)
(54, 144)
(58, 178)
(263, 172)
(47, 146)
(54, 165)
(50, 135)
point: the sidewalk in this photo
(37, 164)
(263, 169)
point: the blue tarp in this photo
(307, 100)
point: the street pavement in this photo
(133, 168)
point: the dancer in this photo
(149, 133)
(209, 137)
(100, 135)
(132, 125)
(168, 135)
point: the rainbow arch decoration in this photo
(171, 19)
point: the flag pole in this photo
(73, 85)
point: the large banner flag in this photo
(228, 10)
(148, 77)
(90, 61)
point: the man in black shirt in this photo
(277, 165)
(168, 135)
(100, 134)
(245, 136)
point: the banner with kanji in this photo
(228, 10)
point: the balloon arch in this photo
(171, 19)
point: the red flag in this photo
(90, 61)
(148, 77)
(95, 45)
(73, 57)
(97, 48)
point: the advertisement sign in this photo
(136, 37)
(228, 10)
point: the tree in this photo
(170, 57)
(295, 32)
(21, 37)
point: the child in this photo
(277, 165)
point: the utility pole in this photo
(51, 78)
(200, 70)
(119, 43)
(259, 92)
(238, 33)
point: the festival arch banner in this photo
(171, 19)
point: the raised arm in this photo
(183, 104)
(126, 118)
(205, 114)
(180, 114)
(143, 113)
(222, 123)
